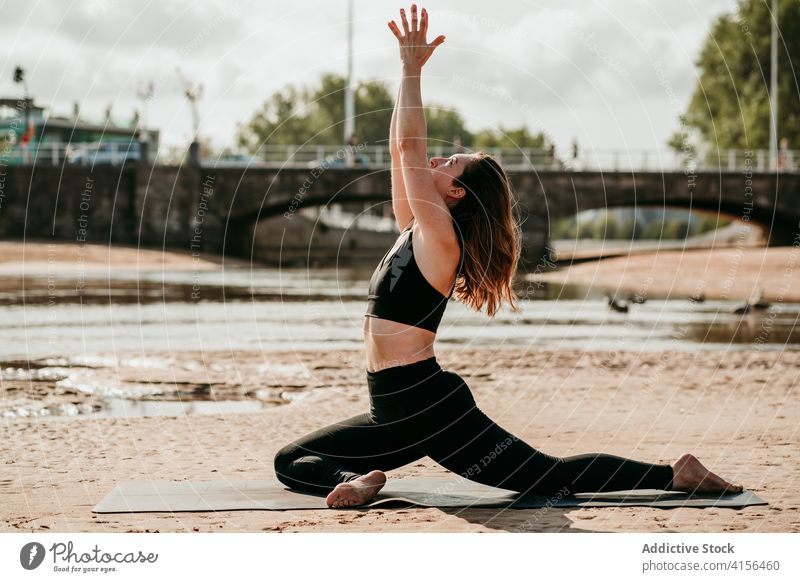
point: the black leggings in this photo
(420, 409)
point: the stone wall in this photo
(70, 204)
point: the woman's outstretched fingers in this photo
(415, 50)
(404, 21)
(395, 30)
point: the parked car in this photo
(104, 152)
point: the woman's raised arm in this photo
(400, 205)
(428, 208)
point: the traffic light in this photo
(19, 75)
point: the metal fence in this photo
(377, 157)
(522, 159)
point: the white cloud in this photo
(574, 69)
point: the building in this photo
(28, 133)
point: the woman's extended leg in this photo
(342, 452)
(479, 449)
(471, 444)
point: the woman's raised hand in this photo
(414, 49)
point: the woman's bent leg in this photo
(474, 446)
(341, 452)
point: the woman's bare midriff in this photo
(389, 343)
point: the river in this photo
(55, 340)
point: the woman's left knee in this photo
(283, 458)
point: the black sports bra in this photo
(398, 291)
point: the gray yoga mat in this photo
(269, 494)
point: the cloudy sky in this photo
(610, 73)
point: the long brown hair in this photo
(490, 236)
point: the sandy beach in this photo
(720, 273)
(736, 410)
(18, 258)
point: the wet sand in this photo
(737, 412)
(41, 272)
(722, 273)
(17, 257)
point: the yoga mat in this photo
(270, 494)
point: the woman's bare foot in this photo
(358, 491)
(691, 476)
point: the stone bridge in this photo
(217, 210)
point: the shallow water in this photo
(50, 332)
(35, 331)
(124, 407)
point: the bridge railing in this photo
(732, 160)
(379, 156)
(521, 159)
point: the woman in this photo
(458, 238)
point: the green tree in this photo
(630, 230)
(445, 125)
(297, 115)
(585, 229)
(600, 227)
(564, 228)
(374, 105)
(279, 121)
(709, 223)
(730, 106)
(653, 230)
(509, 138)
(676, 229)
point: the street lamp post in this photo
(773, 89)
(145, 93)
(349, 96)
(193, 94)
(19, 78)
